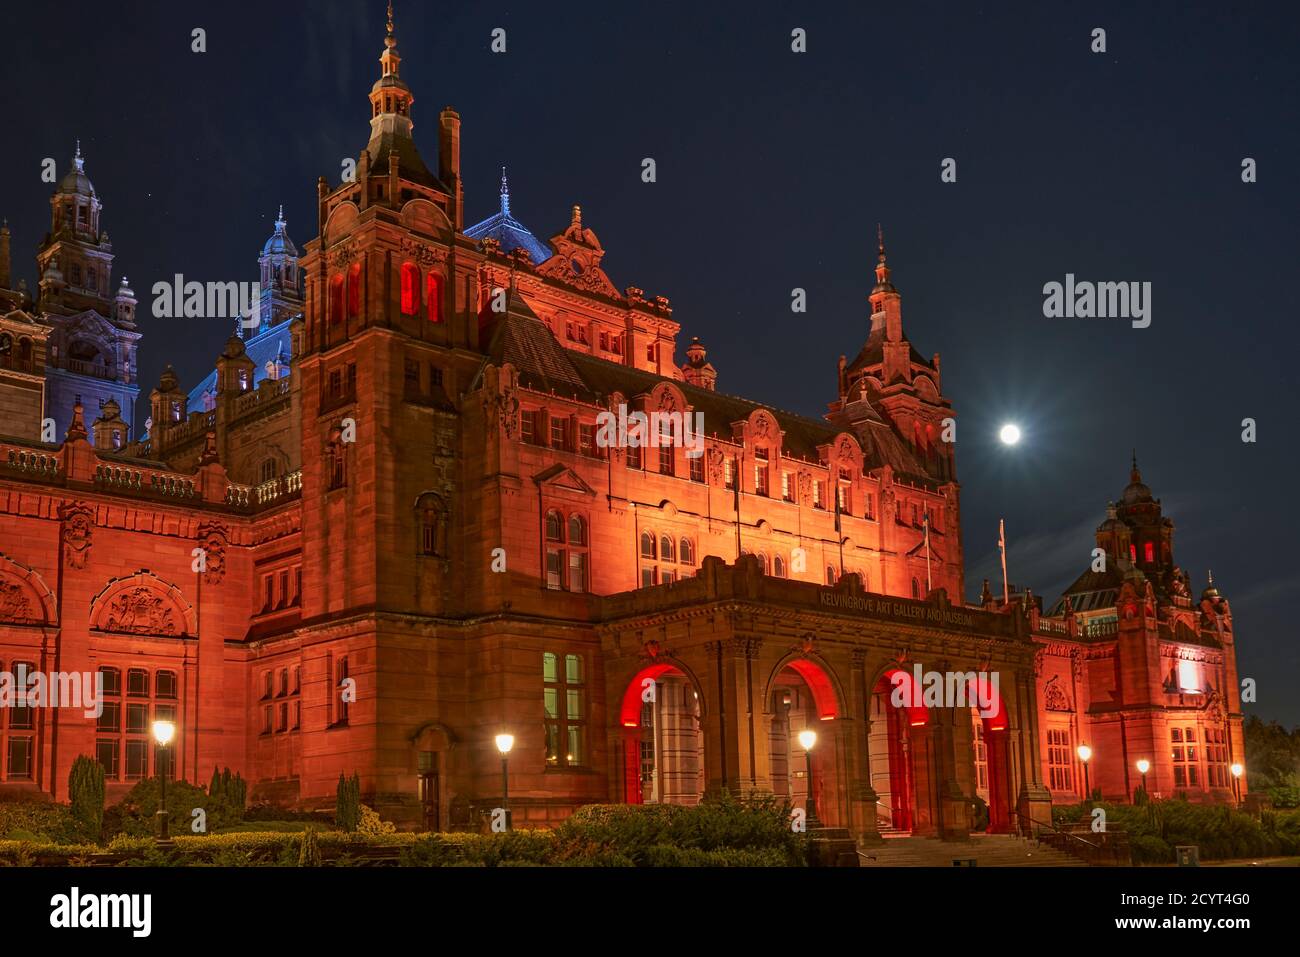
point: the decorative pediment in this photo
(145, 605)
(577, 260)
(561, 477)
(25, 599)
(1054, 697)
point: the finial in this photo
(1210, 574)
(279, 220)
(505, 193)
(1135, 475)
(78, 160)
(576, 221)
(880, 241)
(390, 41)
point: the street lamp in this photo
(1237, 771)
(163, 732)
(1143, 767)
(807, 740)
(504, 743)
(1085, 753)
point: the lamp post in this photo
(1237, 771)
(504, 743)
(807, 739)
(163, 732)
(1085, 753)
(1143, 767)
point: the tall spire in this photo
(77, 160)
(390, 96)
(505, 194)
(1135, 475)
(882, 270)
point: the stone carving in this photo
(78, 533)
(504, 404)
(140, 611)
(342, 254)
(1038, 663)
(14, 605)
(1054, 698)
(667, 401)
(421, 254)
(715, 465)
(1214, 707)
(213, 538)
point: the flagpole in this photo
(839, 533)
(736, 479)
(1002, 546)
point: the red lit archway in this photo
(993, 717)
(897, 709)
(661, 737)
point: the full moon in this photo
(1010, 434)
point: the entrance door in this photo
(430, 795)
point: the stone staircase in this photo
(988, 850)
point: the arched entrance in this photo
(989, 759)
(801, 697)
(432, 743)
(661, 740)
(891, 749)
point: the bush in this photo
(372, 824)
(309, 849)
(135, 814)
(42, 823)
(347, 802)
(86, 792)
(231, 791)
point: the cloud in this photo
(1046, 561)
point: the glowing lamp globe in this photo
(1085, 753)
(807, 739)
(505, 742)
(163, 732)
(1144, 766)
(1237, 770)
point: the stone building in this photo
(382, 533)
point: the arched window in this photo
(554, 526)
(1133, 553)
(1149, 552)
(830, 574)
(354, 290)
(667, 552)
(767, 567)
(431, 516)
(648, 549)
(270, 469)
(336, 298)
(25, 354)
(577, 553)
(410, 289)
(686, 552)
(433, 298)
(778, 566)
(916, 588)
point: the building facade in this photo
(391, 525)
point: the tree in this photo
(347, 802)
(86, 791)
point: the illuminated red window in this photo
(1149, 552)
(433, 299)
(1133, 552)
(336, 297)
(354, 291)
(410, 289)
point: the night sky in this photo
(773, 170)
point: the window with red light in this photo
(433, 298)
(410, 289)
(336, 298)
(1149, 551)
(354, 290)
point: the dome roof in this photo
(1136, 492)
(75, 181)
(280, 244)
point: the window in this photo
(760, 478)
(340, 684)
(665, 449)
(1187, 765)
(634, 456)
(137, 683)
(728, 473)
(778, 566)
(20, 758)
(410, 289)
(432, 516)
(667, 552)
(283, 579)
(871, 506)
(165, 684)
(269, 469)
(1216, 758)
(559, 433)
(697, 467)
(651, 353)
(564, 697)
(411, 377)
(336, 298)
(916, 588)
(649, 546)
(603, 340)
(1059, 759)
(844, 498)
(337, 466)
(818, 501)
(577, 553)
(1149, 552)
(686, 552)
(787, 487)
(830, 575)
(354, 290)
(587, 439)
(528, 426)
(616, 345)
(433, 297)
(268, 592)
(1133, 553)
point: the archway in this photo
(661, 738)
(989, 759)
(891, 748)
(801, 696)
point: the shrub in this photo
(86, 792)
(372, 824)
(134, 815)
(43, 823)
(347, 802)
(309, 849)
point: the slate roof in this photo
(261, 348)
(410, 165)
(873, 352)
(543, 364)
